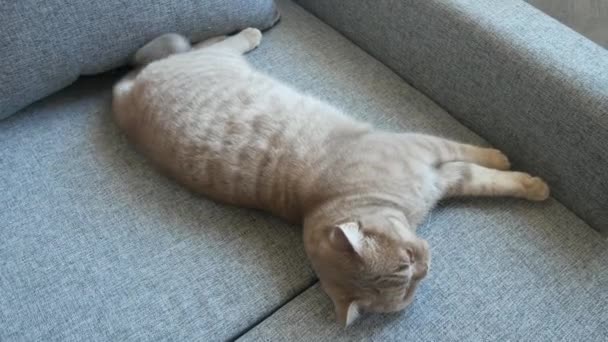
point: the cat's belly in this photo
(425, 193)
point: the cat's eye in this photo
(403, 267)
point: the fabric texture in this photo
(95, 245)
(588, 17)
(46, 45)
(522, 80)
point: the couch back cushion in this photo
(46, 45)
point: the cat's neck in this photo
(361, 208)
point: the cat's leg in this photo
(122, 89)
(467, 179)
(242, 42)
(161, 47)
(209, 42)
(122, 101)
(443, 150)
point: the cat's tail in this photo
(159, 48)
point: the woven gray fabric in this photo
(588, 17)
(46, 45)
(517, 77)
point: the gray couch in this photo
(96, 245)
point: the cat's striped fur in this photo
(223, 129)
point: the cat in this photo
(204, 116)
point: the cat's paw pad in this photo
(253, 35)
(498, 160)
(535, 188)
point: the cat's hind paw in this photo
(535, 188)
(253, 36)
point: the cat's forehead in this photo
(387, 225)
(388, 241)
(386, 257)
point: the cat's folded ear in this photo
(346, 312)
(347, 237)
(420, 258)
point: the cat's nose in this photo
(421, 272)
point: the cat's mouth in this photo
(408, 298)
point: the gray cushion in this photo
(517, 77)
(589, 17)
(46, 45)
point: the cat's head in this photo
(372, 266)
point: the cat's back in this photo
(211, 90)
(227, 130)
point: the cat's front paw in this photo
(497, 160)
(253, 35)
(535, 188)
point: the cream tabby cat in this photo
(223, 129)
